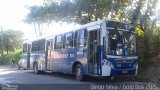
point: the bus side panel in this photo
(24, 60)
(63, 60)
(38, 57)
(70, 56)
(82, 58)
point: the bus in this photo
(100, 48)
(25, 57)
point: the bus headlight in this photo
(135, 65)
(108, 63)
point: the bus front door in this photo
(93, 42)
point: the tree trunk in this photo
(35, 29)
(39, 30)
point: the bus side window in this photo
(55, 42)
(59, 42)
(48, 45)
(35, 46)
(75, 38)
(81, 38)
(25, 48)
(41, 45)
(52, 44)
(78, 39)
(69, 40)
(85, 37)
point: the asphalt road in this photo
(14, 79)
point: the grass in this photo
(16, 55)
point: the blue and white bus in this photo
(100, 48)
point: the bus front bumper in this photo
(123, 72)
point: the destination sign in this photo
(60, 55)
(120, 25)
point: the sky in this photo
(13, 13)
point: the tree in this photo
(144, 17)
(35, 17)
(78, 11)
(12, 40)
(141, 13)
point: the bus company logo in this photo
(9, 87)
(119, 65)
(59, 55)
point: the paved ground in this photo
(14, 79)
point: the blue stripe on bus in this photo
(66, 57)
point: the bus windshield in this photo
(121, 43)
(129, 43)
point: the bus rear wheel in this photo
(79, 73)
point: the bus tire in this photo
(36, 70)
(79, 73)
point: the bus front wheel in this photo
(79, 73)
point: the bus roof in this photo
(30, 41)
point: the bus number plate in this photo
(124, 71)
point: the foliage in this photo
(77, 11)
(16, 55)
(12, 40)
(139, 32)
(140, 13)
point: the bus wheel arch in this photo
(74, 67)
(78, 71)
